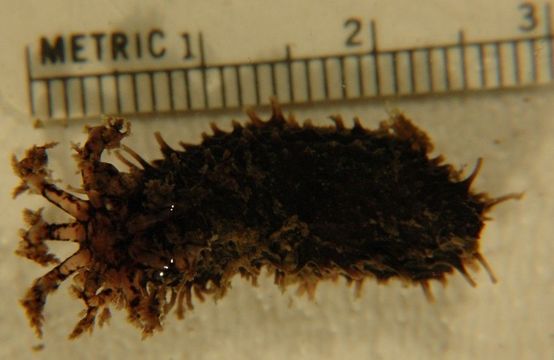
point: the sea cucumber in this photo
(305, 203)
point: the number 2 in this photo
(356, 24)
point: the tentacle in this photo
(254, 118)
(358, 128)
(462, 270)
(166, 149)
(34, 300)
(125, 161)
(339, 122)
(277, 112)
(184, 299)
(493, 202)
(358, 287)
(427, 291)
(145, 164)
(187, 146)
(486, 265)
(469, 180)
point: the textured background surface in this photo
(514, 134)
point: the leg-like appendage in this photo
(34, 300)
(34, 177)
(103, 137)
(96, 302)
(32, 244)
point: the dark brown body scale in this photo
(306, 203)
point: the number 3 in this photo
(529, 16)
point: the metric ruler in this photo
(86, 74)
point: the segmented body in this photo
(306, 203)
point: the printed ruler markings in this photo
(534, 59)
(30, 93)
(256, 83)
(549, 34)
(516, 61)
(308, 79)
(429, 69)
(100, 94)
(186, 80)
(411, 69)
(203, 70)
(223, 88)
(401, 74)
(481, 59)
(135, 92)
(169, 79)
(325, 78)
(360, 72)
(82, 91)
(446, 70)
(117, 92)
(288, 60)
(499, 64)
(239, 84)
(153, 97)
(375, 55)
(463, 59)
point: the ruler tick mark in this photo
(359, 70)
(65, 98)
(169, 79)
(30, 94)
(411, 69)
(517, 67)
(446, 67)
(481, 59)
(463, 59)
(325, 78)
(531, 44)
(101, 94)
(135, 92)
(203, 70)
(549, 36)
(239, 84)
(290, 75)
(117, 92)
(308, 79)
(82, 91)
(394, 73)
(375, 54)
(499, 65)
(152, 91)
(256, 83)
(342, 77)
(188, 96)
(223, 86)
(273, 79)
(429, 69)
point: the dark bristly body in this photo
(306, 203)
